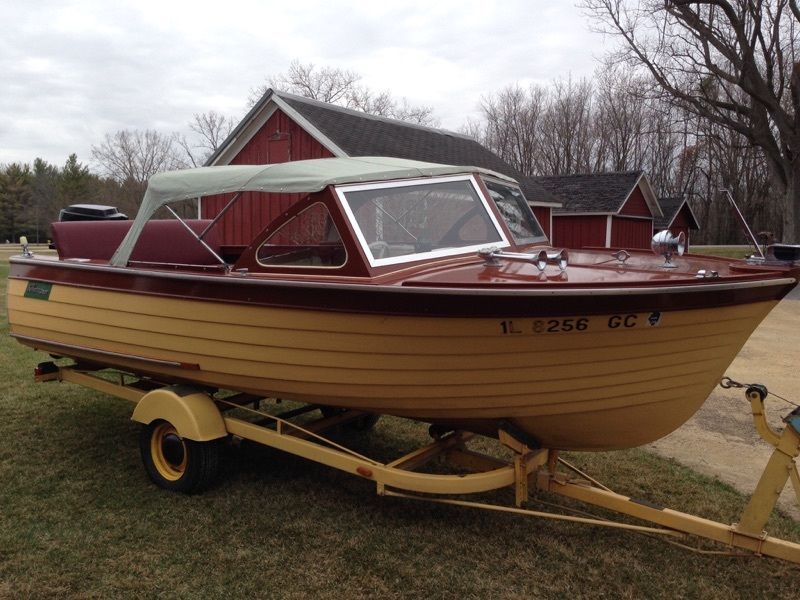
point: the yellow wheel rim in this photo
(168, 451)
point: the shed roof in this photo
(352, 133)
(604, 193)
(671, 206)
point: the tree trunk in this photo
(791, 209)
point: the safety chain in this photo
(727, 383)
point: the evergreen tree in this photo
(75, 183)
(44, 198)
(15, 196)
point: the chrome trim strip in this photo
(253, 279)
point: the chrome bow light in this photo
(666, 244)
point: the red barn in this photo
(678, 217)
(611, 210)
(283, 127)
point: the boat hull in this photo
(584, 381)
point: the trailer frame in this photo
(199, 418)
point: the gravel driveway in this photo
(720, 440)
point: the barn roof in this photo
(671, 206)
(597, 193)
(352, 133)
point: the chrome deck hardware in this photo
(541, 259)
(666, 244)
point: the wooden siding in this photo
(676, 230)
(279, 140)
(635, 205)
(683, 218)
(579, 231)
(631, 233)
(683, 222)
(543, 216)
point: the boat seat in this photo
(162, 241)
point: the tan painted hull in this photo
(601, 387)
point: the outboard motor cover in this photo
(91, 212)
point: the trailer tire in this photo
(175, 463)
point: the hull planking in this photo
(584, 381)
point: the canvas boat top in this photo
(290, 177)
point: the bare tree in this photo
(326, 84)
(343, 88)
(567, 139)
(541, 130)
(513, 124)
(134, 156)
(732, 62)
(212, 129)
(621, 120)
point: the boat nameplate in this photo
(40, 290)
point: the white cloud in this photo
(75, 71)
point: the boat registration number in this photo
(576, 324)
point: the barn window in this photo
(310, 239)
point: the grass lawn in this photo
(78, 518)
(724, 251)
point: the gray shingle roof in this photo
(670, 207)
(361, 134)
(590, 193)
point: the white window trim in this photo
(394, 260)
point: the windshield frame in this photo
(542, 240)
(431, 254)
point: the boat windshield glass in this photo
(516, 212)
(310, 239)
(404, 221)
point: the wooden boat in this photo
(398, 287)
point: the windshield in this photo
(398, 222)
(516, 213)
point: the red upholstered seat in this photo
(162, 241)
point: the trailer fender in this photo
(193, 413)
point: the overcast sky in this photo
(71, 72)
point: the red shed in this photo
(283, 127)
(678, 217)
(612, 210)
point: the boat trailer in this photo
(184, 425)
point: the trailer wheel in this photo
(177, 464)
